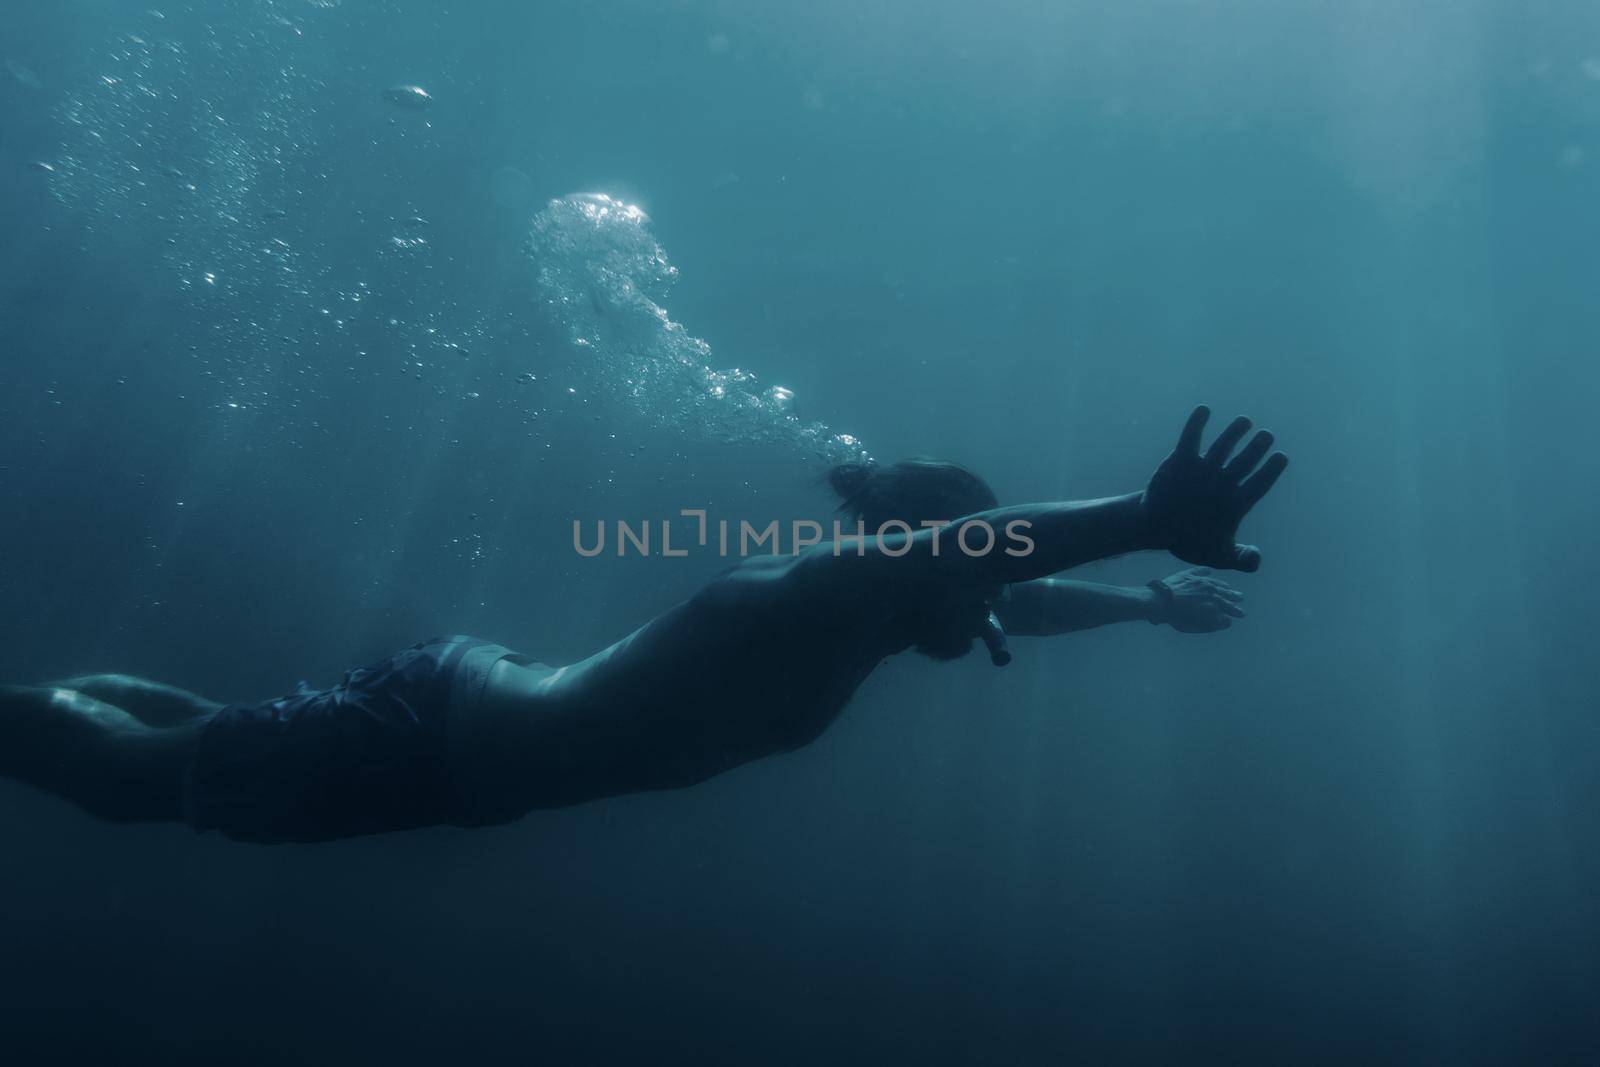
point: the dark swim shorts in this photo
(367, 756)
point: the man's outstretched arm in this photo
(1191, 601)
(1192, 508)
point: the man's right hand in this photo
(1195, 502)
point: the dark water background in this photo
(1356, 828)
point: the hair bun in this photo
(849, 479)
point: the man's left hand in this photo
(1194, 602)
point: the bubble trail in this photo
(602, 274)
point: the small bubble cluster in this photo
(168, 149)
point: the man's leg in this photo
(95, 754)
(152, 703)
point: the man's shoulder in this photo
(753, 579)
(788, 582)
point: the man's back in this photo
(757, 662)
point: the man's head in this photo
(915, 491)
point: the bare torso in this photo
(748, 667)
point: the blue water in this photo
(293, 376)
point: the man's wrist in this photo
(1158, 605)
(1148, 537)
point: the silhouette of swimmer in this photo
(464, 732)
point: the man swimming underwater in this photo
(464, 732)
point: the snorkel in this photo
(994, 639)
